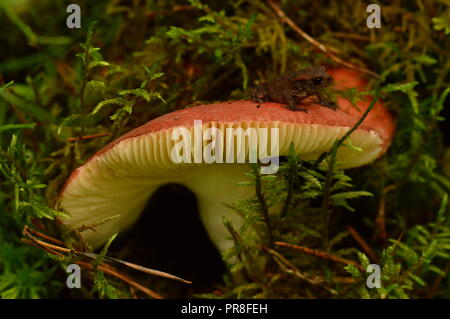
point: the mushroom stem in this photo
(217, 189)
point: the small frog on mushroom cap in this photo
(293, 87)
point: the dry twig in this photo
(87, 137)
(55, 247)
(316, 43)
(111, 271)
(291, 269)
(380, 220)
(362, 243)
(320, 254)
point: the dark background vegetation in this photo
(146, 58)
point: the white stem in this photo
(214, 187)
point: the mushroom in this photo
(120, 178)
